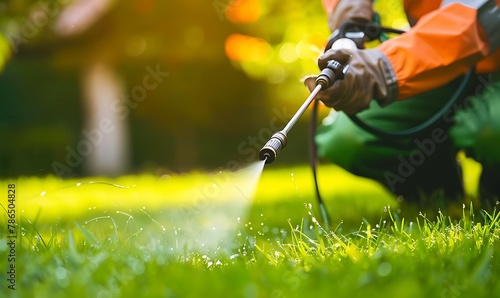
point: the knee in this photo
(341, 143)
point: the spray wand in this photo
(350, 35)
(332, 72)
(329, 75)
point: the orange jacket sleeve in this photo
(329, 5)
(415, 9)
(444, 44)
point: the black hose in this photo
(313, 159)
(457, 96)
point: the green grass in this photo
(150, 236)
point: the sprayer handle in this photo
(334, 70)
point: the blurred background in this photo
(103, 87)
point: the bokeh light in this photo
(4, 51)
(135, 45)
(310, 47)
(244, 11)
(241, 47)
(287, 52)
(276, 73)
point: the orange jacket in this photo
(449, 37)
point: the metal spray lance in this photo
(332, 72)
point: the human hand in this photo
(370, 75)
(359, 11)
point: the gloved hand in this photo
(360, 11)
(370, 75)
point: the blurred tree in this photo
(185, 40)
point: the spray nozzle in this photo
(273, 147)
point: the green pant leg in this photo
(477, 131)
(404, 165)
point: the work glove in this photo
(370, 76)
(359, 11)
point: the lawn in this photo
(207, 235)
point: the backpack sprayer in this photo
(349, 35)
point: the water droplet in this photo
(43, 193)
(78, 184)
(384, 269)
